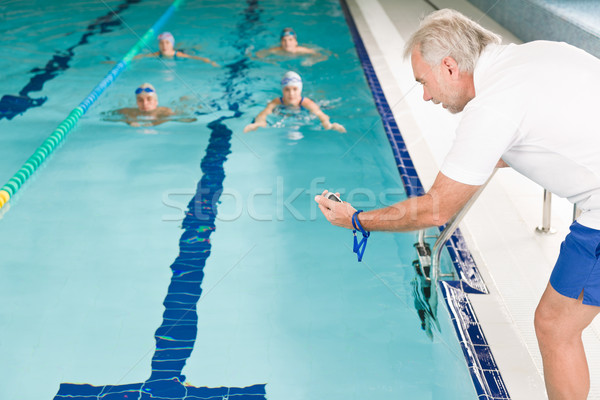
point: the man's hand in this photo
(339, 214)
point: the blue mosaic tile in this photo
(496, 384)
(482, 366)
(485, 357)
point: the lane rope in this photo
(62, 130)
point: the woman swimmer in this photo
(148, 112)
(166, 46)
(288, 45)
(291, 87)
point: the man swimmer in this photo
(291, 87)
(288, 45)
(166, 46)
(147, 108)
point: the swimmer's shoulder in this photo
(305, 50)
(275, 102)
(132, 112)
(164, 111)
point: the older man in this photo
(532, 107)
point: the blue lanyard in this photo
(359, 247)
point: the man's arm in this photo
(502, 164)
(445, 198)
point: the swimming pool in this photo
(98, 245)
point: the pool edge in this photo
(484, 371)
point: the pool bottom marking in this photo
(176, 336)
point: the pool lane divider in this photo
(38, 157)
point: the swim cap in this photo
(167, 36)
(146, 88)
(287, 32)
(291, 79)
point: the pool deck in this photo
(514, 260)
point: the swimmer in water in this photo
(148, 112)
(166, 46)
(291, 88)
(288, 45)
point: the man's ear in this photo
(450, 66)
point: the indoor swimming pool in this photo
(188, 260)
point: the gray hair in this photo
(448, 33)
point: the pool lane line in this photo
(177, 335)
(11, 106)
(56, 137)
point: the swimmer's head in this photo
(291, 78)
(166, 41)
(287, 32)
(288, 40)
(146, 98)
(167, 36)
(291, 88)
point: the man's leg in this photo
(559, 322)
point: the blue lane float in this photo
(57, 136)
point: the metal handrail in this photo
(451, 226)
(546, 227)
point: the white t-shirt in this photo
(536, 106)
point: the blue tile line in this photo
(485, 375)
(176, 337)
(484, 371)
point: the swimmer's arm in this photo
(314, 57)
(162, 115)
(324, 118)
(129, 113)
(206, 60)
(261, 118)
(306, 50)
(155, 54)
(265, 52)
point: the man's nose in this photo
(426, 95)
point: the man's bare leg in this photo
(559, 322)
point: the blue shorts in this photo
(578, 266)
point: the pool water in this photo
(168, 259)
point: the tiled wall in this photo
(573, 21)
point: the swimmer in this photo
(166, 46)
(288, 45)
(291, 87)
(148, 112)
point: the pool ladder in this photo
(429, 260)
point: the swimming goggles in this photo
(287, 32)
(146, 89)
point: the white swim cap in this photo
(291, 79)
